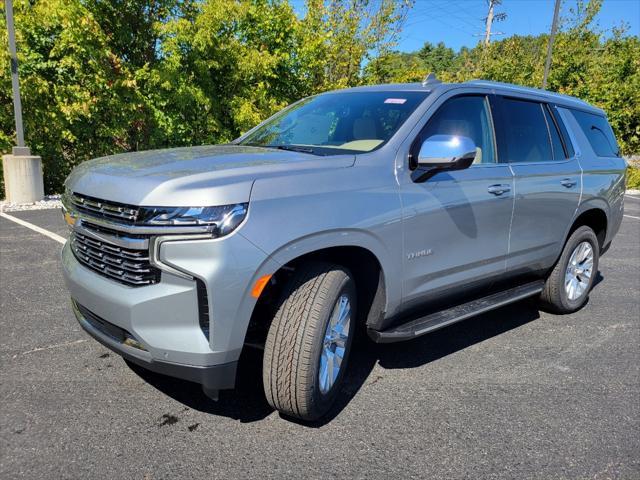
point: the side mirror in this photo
(446, 152)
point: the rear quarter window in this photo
(598, 133)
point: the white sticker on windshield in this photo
(398, 101)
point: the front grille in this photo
(128, 266)
(106, 210)
(94, 227)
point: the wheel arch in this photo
(359, 252)
(594, 216)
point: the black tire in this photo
(554, 297)
(291, 364)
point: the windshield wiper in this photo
(292, 148)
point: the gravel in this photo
(50, 201)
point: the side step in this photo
(434, 321)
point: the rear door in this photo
(547, 181)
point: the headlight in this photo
(222, 220)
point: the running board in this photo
(434, 321)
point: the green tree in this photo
(337, 38)
(75, 92)
(436, 58)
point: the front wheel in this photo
(567, 287)
(309, 340)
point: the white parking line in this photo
(631, 216)
(35, 228)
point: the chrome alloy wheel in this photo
(334, 343)
(579, 271)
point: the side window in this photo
(525, 134)
(466, 116)
(598, 132)
(556, 142)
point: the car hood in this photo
(191, 176)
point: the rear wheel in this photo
(567, 287)
(309, 340)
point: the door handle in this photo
(498, 189)
(567, 182)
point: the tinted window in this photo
(339, 122)
(598, 132)
(468, 117)
(526, 137)
(563, 131)
(556, 142)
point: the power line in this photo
(424, 17)
(440, 19)
(450, 13)
(442, 14)
(468, 9)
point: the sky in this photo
(460, 23)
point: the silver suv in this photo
(398, 209)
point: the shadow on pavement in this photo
(247, 402)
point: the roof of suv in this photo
(506, 88)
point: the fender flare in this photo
(390, 267)
(595, 203)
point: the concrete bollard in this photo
(22, 176)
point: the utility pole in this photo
(22, 171)
(554, 27)
(15, 86)
(491, 17)
(487, 35)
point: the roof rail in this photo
(538, 91)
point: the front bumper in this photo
(163, 317)
(212, 377)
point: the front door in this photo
(456, 224)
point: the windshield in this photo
(334, 123)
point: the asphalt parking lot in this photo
(515, 393)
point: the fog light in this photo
(132, 342)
